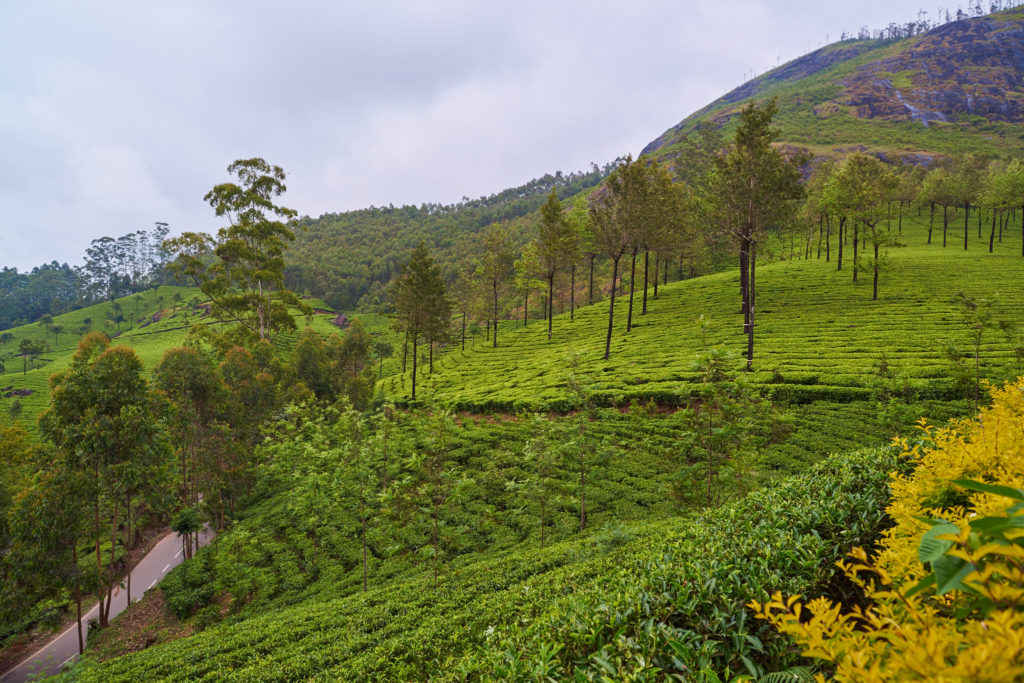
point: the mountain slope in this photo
(958, 87)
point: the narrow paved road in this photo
(63, 649)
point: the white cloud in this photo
(115, 114)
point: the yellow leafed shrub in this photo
(946, 590)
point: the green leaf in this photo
(926, 582)
(982, 487)
(931, 547)
(949, 574)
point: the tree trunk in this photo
(632, 280)
(551, 301)
(495, 314)
(967, 214)
(99, 558)
(931, 223)
(611, 308)
(415, 340)
(842, 238)
(526, 307)
(590, 292)
(572, 292)
(744, 276)
(828, 238)
(821, 234)
(945, 223)
(405, 350)
(751, 291)
(899, 222)
(647, 258)
(856, 261)
(463, 339)
(874, 293)
(992, 235)
(657, 264)
(430, 371)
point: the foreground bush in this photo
(947, 588)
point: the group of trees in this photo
(114, 267)
(118, 446)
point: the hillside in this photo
(279, 595)
(956, 88)
(150, 322)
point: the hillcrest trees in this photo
(245, 281)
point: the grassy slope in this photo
(820, 333)
(817, 335)
(149, 339)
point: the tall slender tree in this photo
(752, 188)
(421, 306)
(242, 270)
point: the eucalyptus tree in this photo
(751, 188)
(242, 269)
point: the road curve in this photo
(63, 649)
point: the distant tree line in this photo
(112, 268)
(349, 258)
(943, 15)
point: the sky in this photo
(118, 114)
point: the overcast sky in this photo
(114, 115)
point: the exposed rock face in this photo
(973, 67)
(968, 73)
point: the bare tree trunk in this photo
(874, 294)
(750, 307)
(945, 223)
(828, 238)
(856, 262)
(842, 238)
(657, 264)
(415, 340)
(495, 283)
(647, 259)
(551, 301)
(611, 308)
(967, 214)
(632, 280)
(572, 292)
(590, 291)
(931, 223)
(992, 235)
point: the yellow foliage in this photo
(916, 635)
